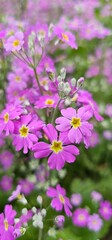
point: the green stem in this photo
(55, 112)
(40, 234)
(36, 76)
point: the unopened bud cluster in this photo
(65, 88)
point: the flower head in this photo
(75, 124)
(105, 210)
(80, 217)
(94, 223)
(14, 42)
(59, 200)
(59, 150)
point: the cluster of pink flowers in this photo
(47, 114)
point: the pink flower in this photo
(59, 200)
(15, 194)
(6, 223)
(95, 223)
(47, 102)
(6, 183)
(75, 123)
(26, 186)
(96, 196)
(66, 37)
(15, 42)
(76, 199)
(24, 134)
(7, 117)
(6, 159)
(59, 149)
(80, 217)
(105, 210)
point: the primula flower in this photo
(76, 199)
(75, 124)
(95, 223)
(6, 159)
(15, 42)
(59, 200)
(24, 135)
(59, 149)
(26, 186)
(90, 105)
(80, 217)
(66, 37)
(47, 102)
(17, 195)
(105, 210)
(7, 117)
(6, 223)
(96, 196)
(18, 78)
(6, 183)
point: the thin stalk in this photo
(55, 112)
(40, 234)
(36, 76)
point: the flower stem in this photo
(40, 234)
(36, 76)
(55, 112)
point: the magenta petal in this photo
(75, 135)
(51, 192)
(52, 161)
(68, 113)
(51, 132)
(69, 157)
(56, 204)
(67, 210)
(72, 149)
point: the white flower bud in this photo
(59, 78)
(80, 82)
(52, 232)
(34, 210)
(50, 30)
(73, 82)
(39, 200)
(24, 211)
(61, 86)
(63, 73)
(43, 212)
(67, 101)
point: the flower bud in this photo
(39, 200)
(63, 73)
(73, 82)
(50, 74)
(61, 86)
(80, 82)
(59, 78)
(50, 30)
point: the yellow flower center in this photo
(61, 198)
(42, 33)
(17, 78)
(76, 122)
(49, 102)
(81, 217)
(6, 118)
(44, 82)
(19, 197)
(56, 146)
(24, 131)
(65, 37)
(6, 225)
(95, 222)
(16, 43)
